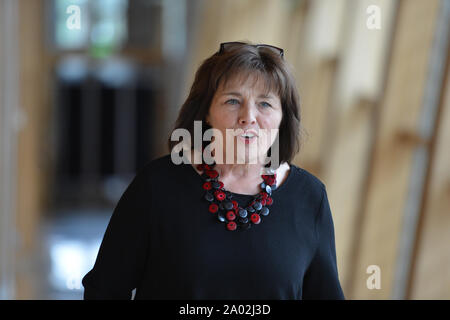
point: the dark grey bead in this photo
(250, 209)
(257, 205)
(243, 220)
(242, 213)
(264, 211)
(221, 217)
(215, 185)
(209, 196)
(228, 205)
(263, 185)
(269, 190)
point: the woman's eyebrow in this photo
(267, 96)
(232, 94)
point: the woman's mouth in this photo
(248, 138)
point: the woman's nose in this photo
(247, 115)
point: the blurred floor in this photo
(67, 251)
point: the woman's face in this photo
(245, 106)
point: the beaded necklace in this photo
(229, 211)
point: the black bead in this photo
(250, 209)
(243, 220)
(273, 187)
(205, 177)
(209, 196)
(264, 211)
(215, 185)
(257, 205)
(228, 205)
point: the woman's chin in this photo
(249, 159)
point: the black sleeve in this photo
(121, 258)
(321, 280)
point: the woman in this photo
(217, 229)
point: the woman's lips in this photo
(247, 140)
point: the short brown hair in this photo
(245, 59)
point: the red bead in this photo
(264, 195)
(212, 173)
(235, 204)
(200, 167)
(220, 195)
(263, 202)
(269, 179)
(230, 215)
(231, 226)
(207, 185)
(213, 208)
(255, 218)
(221, 184)
(207, 166)
(269, 201)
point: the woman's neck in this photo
(239, 171)
(234, 171)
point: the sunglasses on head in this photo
(229, 45)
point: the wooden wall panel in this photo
(33, 145)
(431, 278)
(346, 176)
(392, 161)
(322, 32)
(349, 140)
(8, 155)
(315, 93)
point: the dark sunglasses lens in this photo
(273, 49)
(230, 45)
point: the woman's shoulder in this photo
(307, 181)
(156, 165)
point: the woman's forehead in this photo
(256, 81)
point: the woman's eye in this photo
(265, 104)
(232, 101)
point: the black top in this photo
(163, 241)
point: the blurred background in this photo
(90, 88)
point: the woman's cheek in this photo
(264, 141)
